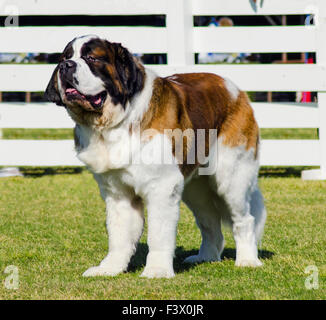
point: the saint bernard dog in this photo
(126, 116)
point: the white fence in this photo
(180, 40)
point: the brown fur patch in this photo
(200, 101)
(114, 76)
(99, 52)
(240, 127)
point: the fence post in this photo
(179, 24)
(321, 59)
(320, 174)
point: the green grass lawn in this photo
(52, 227)
(68, 133)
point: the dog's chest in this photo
(102, 152)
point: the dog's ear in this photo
(130, 71)
(52, 92)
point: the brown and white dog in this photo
(140, 135)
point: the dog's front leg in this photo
(163, 215)
(125, 220)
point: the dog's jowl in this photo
(153, 141)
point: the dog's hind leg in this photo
(200, 199)
(236, 179)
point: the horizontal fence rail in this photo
(98, 7)
(301, 77)
(290, 152)
(180, 40)
(34, 116)
(268, 115)
(134, 38)
(233, 39)
(146, 7)
(239, 8)
(61, 152)
(38, 153)
(255, 39)
(287, 115)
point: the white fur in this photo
(79, 42)
(232, 88)
(236, 178)
(88, 83)
(140, 104)
(124, 222)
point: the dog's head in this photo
(93, 77)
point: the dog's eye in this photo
(91, 58)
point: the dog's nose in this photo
(67, 64)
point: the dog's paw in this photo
(248, 263)
(197, 259)
(101, 271)
(157, 272)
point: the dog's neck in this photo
(95, 142)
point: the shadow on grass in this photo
(230, 253)
(282, 172)
(265, 172)
(138, 261)
(35, 172)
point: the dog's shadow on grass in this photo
(230, 253)
(138, 261)
(36, 172)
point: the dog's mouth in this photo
(88, 102)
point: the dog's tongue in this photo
(71, 90)
(98, 100)
(74, 91)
